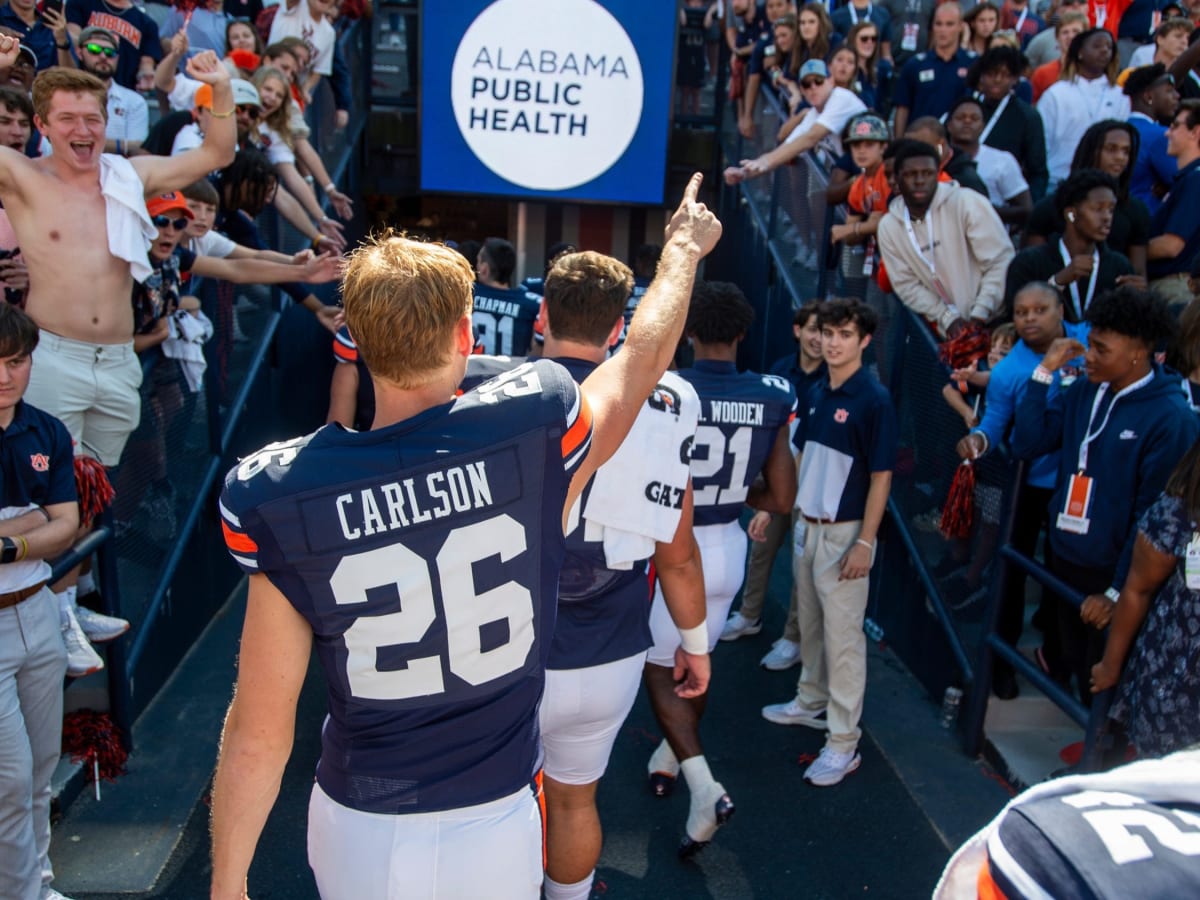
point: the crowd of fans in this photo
(1024, 179)
(136, 160)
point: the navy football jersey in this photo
(503, 319)
(425, 556)
(740, 417)
(603, 613)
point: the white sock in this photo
(705, 791)
(697, 774)
(663, 760)
(87, 584)
(580, 890)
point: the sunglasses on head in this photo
(100, 50)
(811, 83)
(161, 221)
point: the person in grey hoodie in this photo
(945, 249)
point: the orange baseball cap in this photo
(203, 97)
(167, 202)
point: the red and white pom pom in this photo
(95, 490)
(958, 515)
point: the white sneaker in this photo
(783, 655)
(82, 659)
(737, 626)
(49, 893)
(98, 627)
(831, 767)
(795, 714)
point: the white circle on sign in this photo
(547, 93)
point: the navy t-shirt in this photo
(425, 556)
(845, 434)
(38, 460)
(1179, 215)
(503, 319)
(740, 417)
(928, 85)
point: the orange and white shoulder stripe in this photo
(344, 348)
(578, 437)
(241, 546)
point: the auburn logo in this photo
(40, 462)
(841, 416)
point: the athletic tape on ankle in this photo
(694, 640)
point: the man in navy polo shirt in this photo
(931, 81)
(38, 521)
(848, 436)
(1175, 228)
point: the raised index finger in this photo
(692, 191)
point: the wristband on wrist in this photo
(66, 46)
(224, 115)
(1042, 375)
(24, 549)
(330, 188)
(870, 545)
(43, 512)
(694, 640)
(1113, 594)
(316, 241)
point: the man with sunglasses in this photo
(128, 116)
(830, 108)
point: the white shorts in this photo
(723, 555)
(582, 711)
(490, 850)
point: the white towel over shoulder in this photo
(632, 503)
(130, 231)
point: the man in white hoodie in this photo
(945, 249)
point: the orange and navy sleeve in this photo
(242, 547)
(577, 438)
(344, 348)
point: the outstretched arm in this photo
(616, 390)
(160, 174)
(317, 270)
(257, 739)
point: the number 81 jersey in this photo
(740, 417)
(425, 556)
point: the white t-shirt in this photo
(838, 110)
(277, 150)
(1001, 173)
(128, 115)
(1068, 108)
(188, 138)
(298, 22)
(1142, 56)
(212, 243)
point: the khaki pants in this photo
(758, 575)
(833, 648)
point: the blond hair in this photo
(403, 300)
(71, 81)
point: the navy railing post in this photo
(977, 703)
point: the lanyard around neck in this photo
(854, 13)
(912, 238)
(1080, 308)
(1092, 435)
(991, 123)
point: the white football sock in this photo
(663, 760)
(87, 583)
(580, 890)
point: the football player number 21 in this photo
(466, 612)
(736, 446)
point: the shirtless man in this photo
(88, 375)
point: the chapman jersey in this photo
(503, 319)
(345, 352)
(740, 417)
(425, 556)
